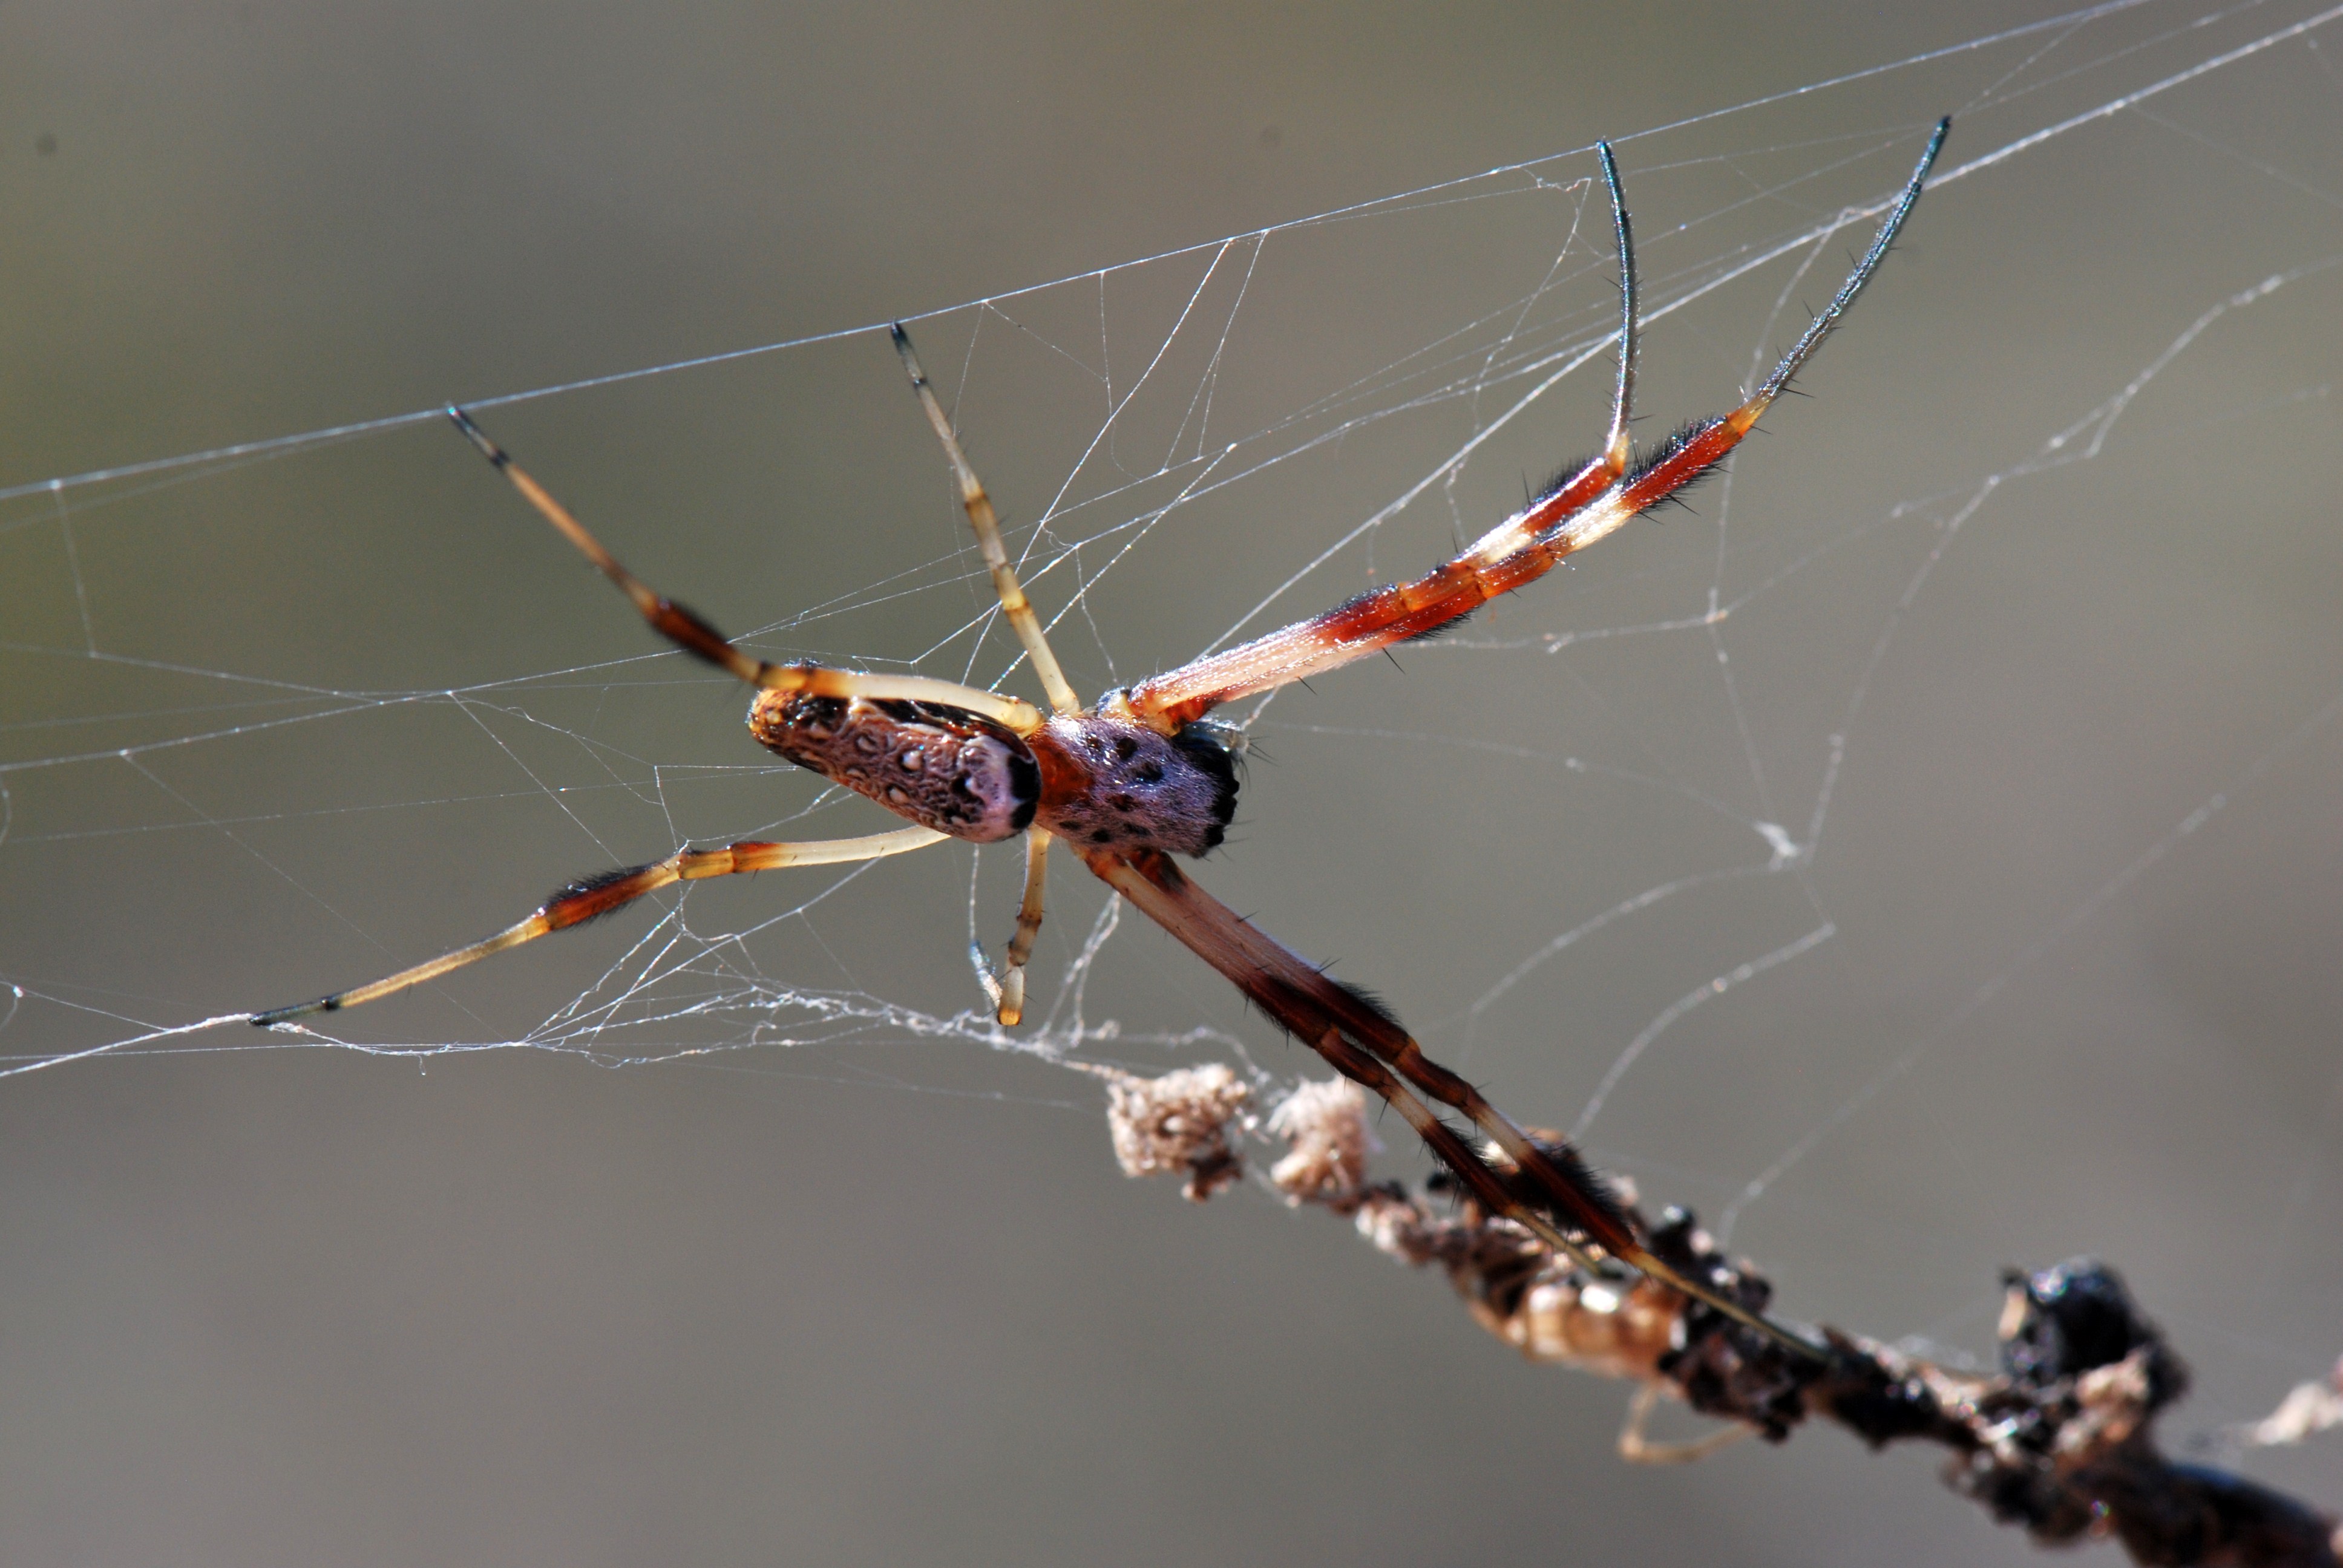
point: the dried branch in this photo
(2060, 1440)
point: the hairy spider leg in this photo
(1697, 448)
(1584, 508)
(1615, 449)
(1009, 997)
(589, 898)
(1365, 1043)
(692, 633)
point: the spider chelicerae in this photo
(1145, 773)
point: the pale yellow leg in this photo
(978, 506)
(1028, 926)
(688, 631)
(584, 900)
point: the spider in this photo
(1145, 773)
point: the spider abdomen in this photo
(939, 767)
(1109, 782)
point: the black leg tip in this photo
(1936, 145)
(903, 352)
(276, 1015)
(478, 438)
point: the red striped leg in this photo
(1698, 448)
(589, 898)
(1590, 505)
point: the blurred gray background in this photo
(884, 1298)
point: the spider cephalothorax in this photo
(1111, 784)
(1144, 774)
(1090, 778)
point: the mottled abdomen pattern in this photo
(1094, 780)
(941, 767)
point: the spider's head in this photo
(1108, 782)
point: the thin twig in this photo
(2060, 1440)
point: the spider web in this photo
(1918, 858)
